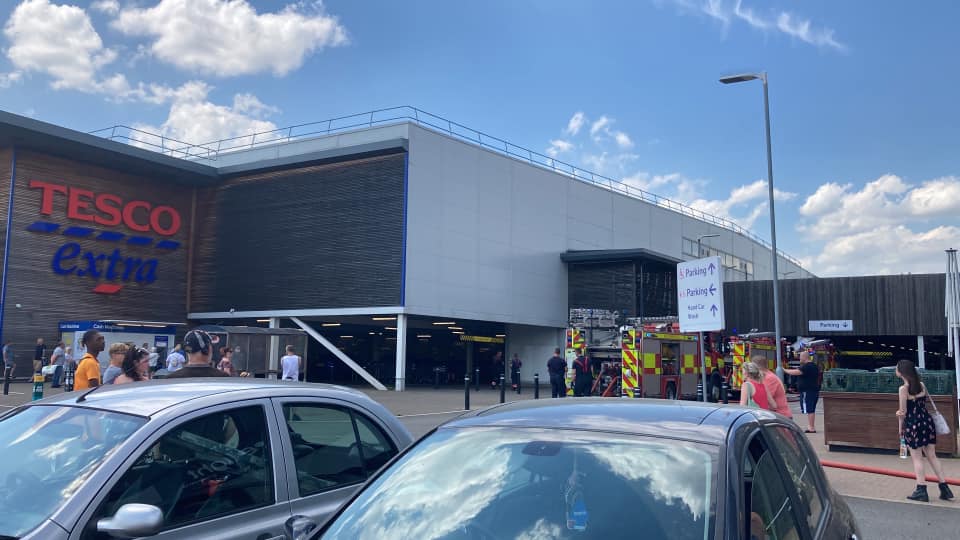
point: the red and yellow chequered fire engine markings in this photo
(651, 364)
(630, 371)
(739, 357)
(689, 364)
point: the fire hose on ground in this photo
(881, 470)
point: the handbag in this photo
(939, 421)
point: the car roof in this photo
(151, 397)
(689, 420)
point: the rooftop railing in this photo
(211, 151)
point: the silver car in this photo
(193, 458)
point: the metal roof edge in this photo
(70, 143)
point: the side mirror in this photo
(133, 521)
(299, 527)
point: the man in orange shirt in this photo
(88, 371)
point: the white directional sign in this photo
(831, 326)
(700, 295)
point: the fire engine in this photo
(745, 346)
(647, 357)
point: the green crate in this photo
(939, 383)
(888, 382)
(863, 382)
(835, 380)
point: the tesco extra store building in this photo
(401, 245)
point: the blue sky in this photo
(863, 94)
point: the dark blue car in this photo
(602, 468)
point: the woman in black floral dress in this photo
(918, 431)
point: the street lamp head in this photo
(702, 236)
(743, 77)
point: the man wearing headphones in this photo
(199, 348)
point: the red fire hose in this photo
(880, 470)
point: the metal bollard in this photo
(6, 380)
(518, 383)
(476, 379)
(503, 397)
(536, 386)
(68, 379)
(638, 392)
(436, 378)
(700, 391)
(725, 393)
(466, 392)
(37, 386)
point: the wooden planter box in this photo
(869, 421)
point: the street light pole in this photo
(703, 349)
(773, 220)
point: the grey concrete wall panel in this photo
(535, 346)
(906, 305)
(328, 236)
(486, 231)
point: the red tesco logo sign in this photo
(110, 210)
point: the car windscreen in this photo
(492, 483)
(47, 453)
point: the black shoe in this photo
(919, 494)
(945, 493)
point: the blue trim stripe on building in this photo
(78, 232)
(110, 236)
(43, 227)
(6, 243)
(139, 240)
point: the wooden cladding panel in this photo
(868, 421)
(322, 236)
(908, 305)
(47, 297)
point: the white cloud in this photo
(559, 146)
(803, 30)
(623, 140)
(887, 226)
(196, 120)
(827, 198)
(890, 249)
(58, 40)
(940, 197)
(229, 37)
(728, 12)
(751, 198)
(110, 7)
(576, 122)
(9, 79)
(601, 124)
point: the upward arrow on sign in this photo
(713, 308)
(712, 268)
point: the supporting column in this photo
(921, 357)
(339, 354)
(273, 364)
(401, 380)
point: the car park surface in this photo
(210, 458)
(594, 468)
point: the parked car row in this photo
(254, 459)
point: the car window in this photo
(375, 446)
(527, 483)
(770, 509)
(325, 448)
(47, 453)
(211, 466)
(802, 471)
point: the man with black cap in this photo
(199, 348)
